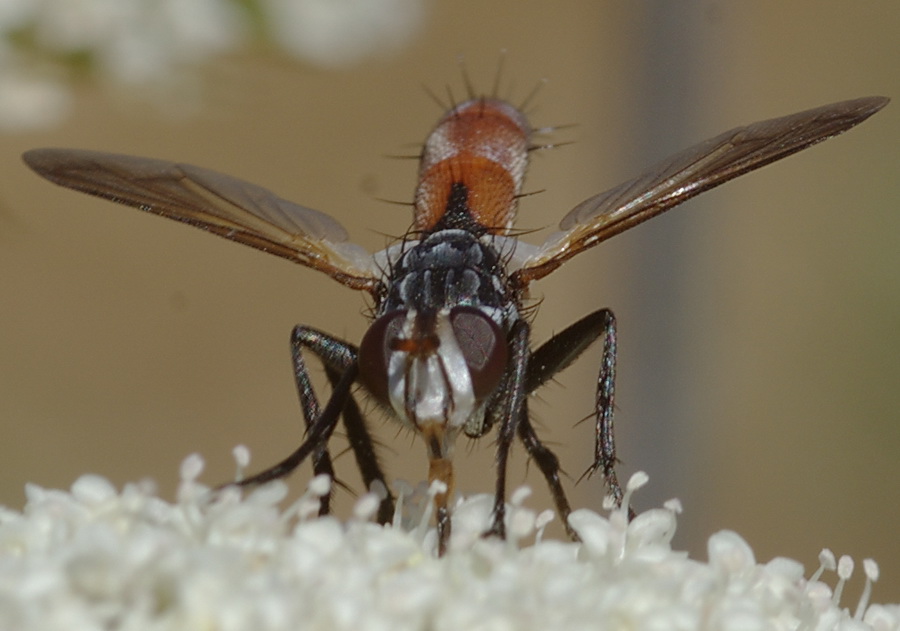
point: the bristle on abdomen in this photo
(473, 166)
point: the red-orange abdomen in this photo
(482, 145)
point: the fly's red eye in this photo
(375, 352)
(483, 346)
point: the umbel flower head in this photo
(98, 558)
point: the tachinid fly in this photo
(448, 350)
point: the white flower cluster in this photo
(95, 558)
(140, 42)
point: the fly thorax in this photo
(449, 268)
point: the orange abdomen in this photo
(481, 145)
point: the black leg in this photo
(558, 353)
(316, 439)
(339, 358)
(548, 463)
(363, 448)
(513, 413)
(309, 403)
(605, 447)
(552, 357)
(337, 355)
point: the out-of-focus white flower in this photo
(339, 32)
(30, 102)
(134, 41)
(156, 44)
(97, 558)
(15, 13)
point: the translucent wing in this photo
(690, 173)
(215, 202)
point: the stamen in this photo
(540, 524)
(844, 571)
(521, 520)
(241, 454)
(870, 568)
(403, 489)
(674, 505)
(366, 507)
(191, 468)
(519, 496)
(320, 485)
(635, 482)
(826, 562)
(188, 487)
(307, 506)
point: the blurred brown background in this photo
(759, 346)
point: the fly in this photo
(449, 349)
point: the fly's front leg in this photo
(363, 447)
(337, 355)
(317, 437)
(605, 443)
(513, 413)
(309, 403)
(552, 357)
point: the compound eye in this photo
(483, 345)
(375, 352)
